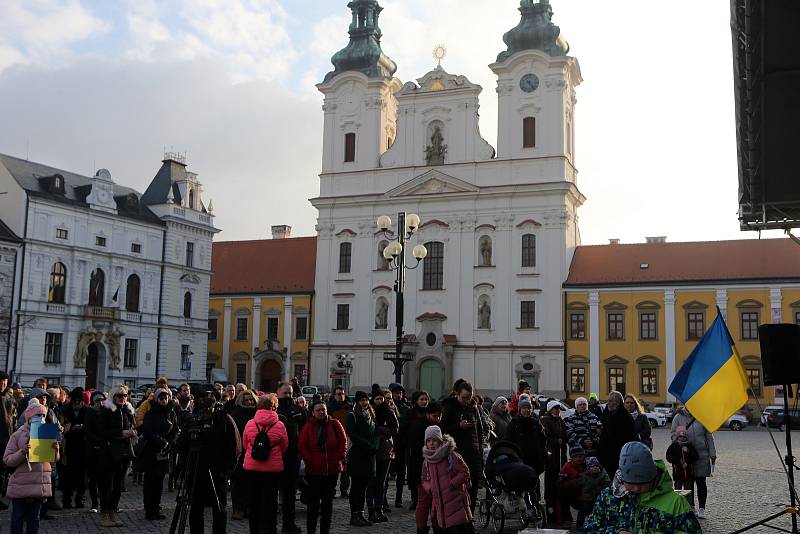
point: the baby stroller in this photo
(512, 490)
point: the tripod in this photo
(789, 466)
(187, 484)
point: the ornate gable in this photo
(431, 183)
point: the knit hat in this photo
(636, 463)
(581, 400)
(16, 385)
(37, 392)
(77, 395)
(680, 432)
(592, 461)
(96, 395)
(160, 392)
(524, 403)
(395, 386)
(499, 400)
(553, 404)
(361, 395)
(593, 396)
(34, 408)
(576, 450)
(522, 386)
(433, 432)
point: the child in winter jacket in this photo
(682, 454)
(443, 493)
(29, 484)
(591, 482)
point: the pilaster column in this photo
(256, 325)
(669, 336)
(226, 339)
(594, 342)
(775, 305)
(722, 302)
(287, 336)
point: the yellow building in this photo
(634, 312)
(260, 310)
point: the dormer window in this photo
(100, 241)
(62, 233)
(53, 184)
(57, 182)
(191, 198)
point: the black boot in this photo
(358, 520)
(373, 516)
(380, 516)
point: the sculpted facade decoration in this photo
(92, 335)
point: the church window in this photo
(345, 257)
(97, 287)
(529, 132)
(529, 250)
(342, 317)
(187, 305)
(349, 147)
(58, 284)
(527, 317)
(132, 293)
(433, 266)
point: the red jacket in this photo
(277, 438)
(327, 461)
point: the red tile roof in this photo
(685, 263)
(264, 266)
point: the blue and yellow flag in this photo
(43, 435)
(712, 383)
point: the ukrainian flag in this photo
(43, 435)
(712, 383)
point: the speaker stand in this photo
(789, 466)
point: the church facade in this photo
(500, 224)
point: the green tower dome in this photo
(363, 53)
(535, 31)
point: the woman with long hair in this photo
(640, 421)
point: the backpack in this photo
(261, 445)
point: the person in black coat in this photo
(618, 429)
(412, 434)
(159, 432)
(93, 447)
(525, 430)
(115, 432)
(74, 481)
(461, 420)
(641, 423)
(293, 419)
(243, 410)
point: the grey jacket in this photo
(700, 438)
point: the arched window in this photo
(191, 198)
(97, 287)
(383, 263)
(132, 293)
(529, 250)
(345, 257)
(349, 147)
(187, 305)
(528, 132)
(58, 284)
(433, 266)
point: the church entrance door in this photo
(95, 350)
(431, 378)
(270, 376)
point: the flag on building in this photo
(712, 382)
(115, 298)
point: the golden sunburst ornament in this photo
(439, 53)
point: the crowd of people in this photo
(263, 450)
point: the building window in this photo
(647, 325)
(433, 266)
(100, 241)
(301, 328)
(241, 373)
(528, 132)
(191, 198)
(649, 381)
(299, 372)
(616, 326)
(132, 293)
(187, 305)
(349, 147)
(189, 254)
(577, 325)
(749, 324)
(527, 314)
(577, 379)
(241, 328)
(272, 328)
(616, 379)
(342, 317)
(529, 250)
(345, 257)
(52, 347)
(136, 248)
(62, 233)
(383, 263)
(695, 325)
(131, 352)
(212, 329)
(185, 353)
(58, 284)
(797, 317)
(754, 379)
(97, 287)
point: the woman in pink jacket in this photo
(263, 464)
(30, 483)
(443, 491)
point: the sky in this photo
(89, 84)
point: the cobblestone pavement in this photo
(747, 485)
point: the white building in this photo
(9, 250)
(112, 285)
(500, 226)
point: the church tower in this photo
(360, 108)
(536, 82)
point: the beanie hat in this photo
(553, 404)
(636, 463)
(576, 450)
(96, 395)
(160, 392)
(77, 395)
(522, 386)
(16, 385)
(395, 387)
(499, 400)
(581, 400)
(433, 432)
(593, 396)
(361, 395)
(592, 461)
(37, 392)
(34, 408)
(524, 403)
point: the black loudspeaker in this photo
(780, 353)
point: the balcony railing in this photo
(56, 308)
(101, 313)
(135, 317)
(187, 322)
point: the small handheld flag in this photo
(43, 435)
(712, 382)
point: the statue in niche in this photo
(112, 340)
(437, 150)
(484, 315)
(85, 339)
(381, 315)
(485, 247)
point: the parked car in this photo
(777, 419)
(666, 408)
(736, 422)
(309, 391)
(656, 419)
(768, 410)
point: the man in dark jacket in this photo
(460, 419)
(618, 429)
(74, 450)
(293, 419)
(526, 431)
(402, 407)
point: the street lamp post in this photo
(395, 253)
